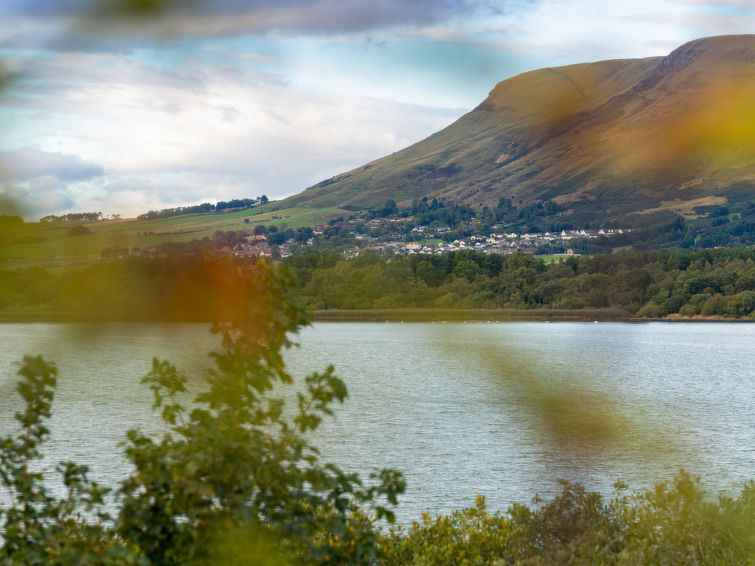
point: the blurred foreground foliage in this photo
(235, 480)
(169, 287)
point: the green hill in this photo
(612, 137)
(53, 246)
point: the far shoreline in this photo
(501, 315)
(388, 315)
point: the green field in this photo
(49, 245)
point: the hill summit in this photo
(616, 137)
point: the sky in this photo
(196, 101)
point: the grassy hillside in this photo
(613, 137)
(50, 245)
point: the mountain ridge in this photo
(621, 136)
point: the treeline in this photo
(185, 282)
(439, 213)
(658, 283)
(675, 231)
(73, 217)
(204, 208)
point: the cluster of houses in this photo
(495, 243)
(251, 246)
(406, 240)
(503, 243)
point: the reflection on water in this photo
(436, 401)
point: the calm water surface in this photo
(441, 402)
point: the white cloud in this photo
(161, 127)
(216, 132)
(594, 29)
(587, 30)
(31, 202)
(30, 163)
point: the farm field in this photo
(48, 245)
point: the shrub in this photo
(689, 310)
(650, 310)
(740, 304)
(671, 524)
(715, 305)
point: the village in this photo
(383, 236)
(495, 243)
(390, 236)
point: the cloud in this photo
(120, 137)
(40, 182)
(230, 17)
(79, 70)
(329, 16)
(703, 17)
(572, 31)
(745, 5)
(29, 164)
(31, 203)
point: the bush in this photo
(741, 304)
(671, 524)
(650, 310)
(468, 536)
(689, 310)
(715, 305)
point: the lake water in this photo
(460, 408)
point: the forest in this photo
(650, 284)
(186, 282)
